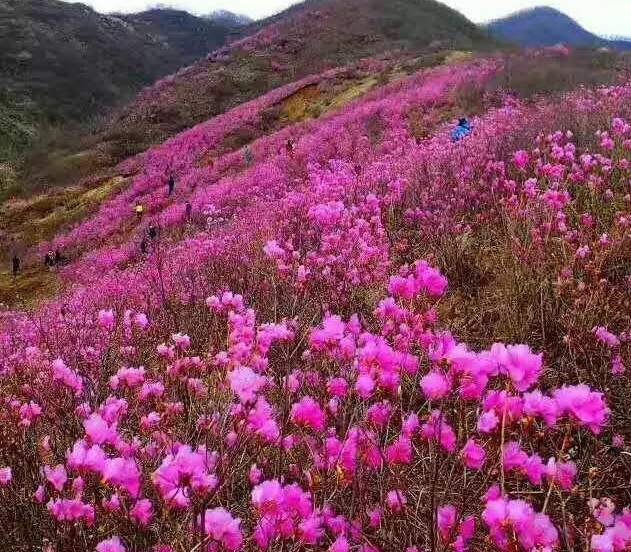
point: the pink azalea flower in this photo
(124, 473)
(307, 412)
(487, 422)
(534, 469)
(521, 159)
(245, 383)
(400, 452)
(222, 528)
(587, 407)
(512, 456)
(435, 385)
(446, 521)
(473, 455)
(606, 337)
(340, 545)
(110, 545)
(40, 494)
(106, 320)
(396, 500)
(56, 476)
(98, 430)
(6, 475)
(561, 473)
(519, 363)
(374, 517)
(142, 512)
(364, 386)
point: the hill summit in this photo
(546, 26)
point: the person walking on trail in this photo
(49, 259)
(171, 184)
(152, 232)
(248, 156)
(15, 265)
(290, 146)
(139, 211)
(463, 128)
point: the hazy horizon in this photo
(607, 17)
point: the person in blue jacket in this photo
(462, 129)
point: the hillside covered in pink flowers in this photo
(349, 335)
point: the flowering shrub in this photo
(298, 373)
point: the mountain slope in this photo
(544, 26)
(303, 40)
(62, 62)
(188, 37)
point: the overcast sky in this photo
(605, 17)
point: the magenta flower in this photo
(473, 455)
(40, 494)
(585, 406)
(310, 530)
(400, 452)
(364, 386)
(307, 412)
(110, 545)
(123, 473)
(561, 473)
(446, 521)
(487, 422)
(245, 383)
(519, 363)
(374, 517)
(606, 337)
(340, 545)
(538, 405)
(396, 500)
(534, 469)
(142, 512)
(106, 320)
(222, 528)
(512, 456)
(435, 385)
(6, 475)
(56, 476)
(521, 159)
(337, 387)
(98, 430)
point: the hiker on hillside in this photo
(152, 231)
(290, 146)
(49, 259)
(248, 156)
(139, 211)
(462, 129)
(15, 265)
(171, 184)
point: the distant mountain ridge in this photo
(545, 26)
(229, 18)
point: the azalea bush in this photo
(366, 342)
